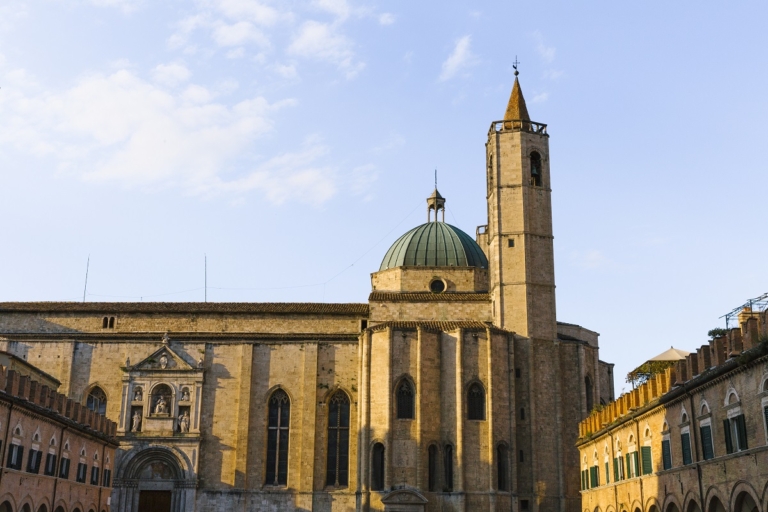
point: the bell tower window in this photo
(535, 169)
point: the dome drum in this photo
(424, 279)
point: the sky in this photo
(290, 143)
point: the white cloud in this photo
(320, 41)
(251, 10)
(238, 34)
(120, 128)
(547, 53)
(460, 59)
(171, 74)
(553, 74)
(286, 70)
(236, 53)
(541, 97)
(124, 5)
(386, 18)
(340, 8)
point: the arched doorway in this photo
(693, 507)
(672, 508)
(153, 481)
(745, 503)
(715, 505)
(6, 507)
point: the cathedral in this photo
(453, 388)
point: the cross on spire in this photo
(515, 64)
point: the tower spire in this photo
(516, 109)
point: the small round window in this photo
(437, 286)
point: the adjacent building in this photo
(55, 453)
(692, 439)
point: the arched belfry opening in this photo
(435, 203)
(536, 169)
(156, 479)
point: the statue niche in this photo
(162, 398)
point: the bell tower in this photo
(519, 234)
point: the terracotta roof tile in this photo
(187, 307)
(428, 297)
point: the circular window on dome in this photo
(437, 286)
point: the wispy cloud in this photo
(546, 52)
(541, 97)
(171, 74)
(321, 41)
(386, 18)
(126, 6)
(460, 59)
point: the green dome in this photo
(434, 244)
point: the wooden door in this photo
(155, 501)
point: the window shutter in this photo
(647, 463)
(666, 454)
(706, 442)
(19, 457)
(741, 425)
(728, 441)
(615, 469)
(622, 473)
(593, 476)
(629, 465)
(636, 461)
(607, 472)
(685, 439)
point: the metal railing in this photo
(518, 125)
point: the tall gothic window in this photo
(535, 169)
(588, 388)
(476, 402)
(338, 441)
(377, 467)
(97, 400)
(277, 438)
(502, 467)
(405, 408)
(432, 468)
(448, 468)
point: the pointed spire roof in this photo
(435, 195)
(516, 109)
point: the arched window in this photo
(448, 468)
(432, 468)
(588, 388)
(535, 169)
(338, 440)
(377, 467)
(277, 438)
(97, 400)
(476, 402)
(405, 408)
(502, 467)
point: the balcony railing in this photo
(518, 125)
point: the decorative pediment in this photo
(404, 496)
(163, 359)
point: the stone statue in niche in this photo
(136, 422)
(166, 339)
(161, 407)
(137, 395)
(185, 395)
(184, 422)
(163, 361)
(127, 362)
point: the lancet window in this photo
(338, 440)
(277, 438)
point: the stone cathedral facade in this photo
(453, 388)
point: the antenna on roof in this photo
(206, 277)
(435, 179)
(87, 266)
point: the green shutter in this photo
(636, 462)
(666, 454)
(628, 474)
(706, 442)
(741, 425)
(615, 469)
(622, 473)
(593, 477)
(685, 440)
(728, 440)
(647, 462)
(607, 469)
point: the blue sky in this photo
(293, 142)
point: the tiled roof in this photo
(437, 326)
(428, 297)
(186, 307)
